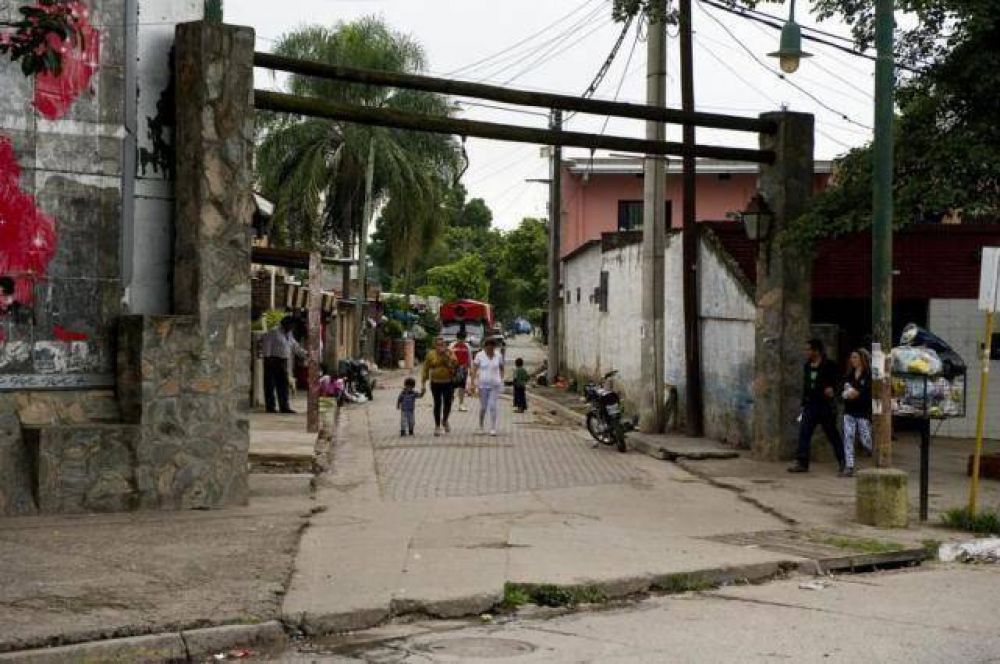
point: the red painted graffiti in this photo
(27, 235)
(62, 334)
(54, 95)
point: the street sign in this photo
(989, 280)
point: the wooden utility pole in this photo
(651, 415)
(362, 296)
(882, 223)
(694, 421)
(314, 329)
(555, 248)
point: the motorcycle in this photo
(605, 420)
(357, 376)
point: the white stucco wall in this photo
(596, 342)
(148, 245)
(961, 325)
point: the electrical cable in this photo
(625, 73)
(780, 75)
(497, 107)
(479, 63)
(869, 94)
(544, 46)
(774, 22)
(821, 84)
(608, 61)
(603, 71)
(763, 95)
(555, 52)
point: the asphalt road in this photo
(934, 614)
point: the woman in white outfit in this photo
(487, 378)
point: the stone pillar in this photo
(784, 289)
(184, 379)
(214, 146)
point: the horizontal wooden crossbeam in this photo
(511, 95)
(381, 117)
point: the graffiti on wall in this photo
(55, 93)
(27, 238)
(27, 234)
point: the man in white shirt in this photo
(277, 347)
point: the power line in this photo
(801, 77)
(497, 107)
(546, 45)
(774, 22)
(603, 71)
(478, 63)
(625, 73)
(556, 51)
(760, 62)
(765, 96)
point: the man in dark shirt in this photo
(819, 382)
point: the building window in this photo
(630, 215)
(569, 296)
(602, 293)
(995, 347)
(578, 295)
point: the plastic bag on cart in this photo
(915, 336)
(908, 359)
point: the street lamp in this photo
(757, 218)
(790, 51)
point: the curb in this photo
(315, 625)
(192, 645)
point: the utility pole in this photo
(881, 496)
(651, 415)
(555, 244)
(362, 296)
(694, 423)
(882, 221)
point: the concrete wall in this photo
(961, 324)
(99, 170)
(148, 223)
(597, 342)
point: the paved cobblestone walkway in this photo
(527, 454)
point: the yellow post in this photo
(980, 413)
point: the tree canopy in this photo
(314, 169)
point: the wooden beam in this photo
(285, 103)
(510, 95)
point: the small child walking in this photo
(521, 379)
(406, 404)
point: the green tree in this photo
(314, 169)
(947, 135)
(465, 278)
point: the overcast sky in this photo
(564, 44)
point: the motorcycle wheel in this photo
(619, 436)
(598, 429)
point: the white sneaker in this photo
(447, 428)
(493, 432)
(437, 431)
(463, 409)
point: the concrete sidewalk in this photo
(819, 499)
(438, 526)
(88, 578)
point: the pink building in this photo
(605, 195)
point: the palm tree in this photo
(314, 169)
